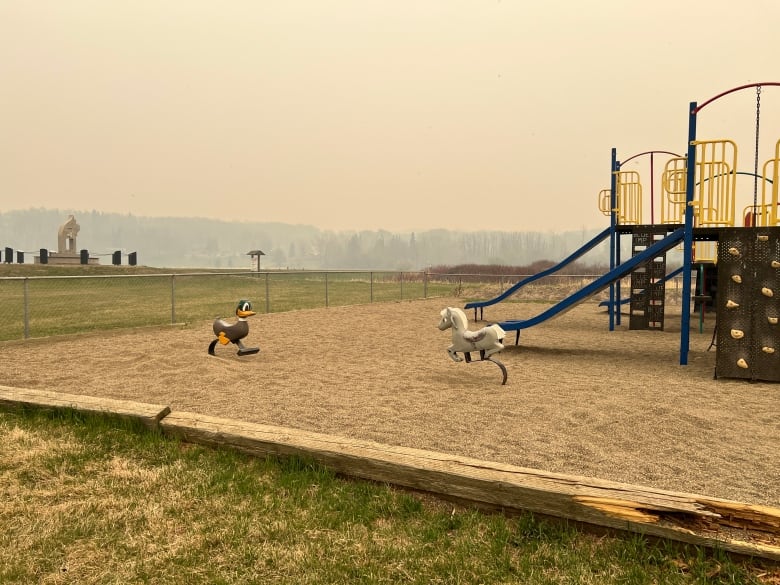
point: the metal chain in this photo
(755, 163)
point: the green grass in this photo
(93, 500)
(118, 297)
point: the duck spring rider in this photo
(487, 341)
(234, 332)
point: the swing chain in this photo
(755, 162)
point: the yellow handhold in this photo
(742, 363)
(767, 292)
(731, 305)
(737, 278)
(772, 320)
(763, 238)
(766, 349)
(775, 264)
(737, 333)
(733, 251)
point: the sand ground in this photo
(579, 400)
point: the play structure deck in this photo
(737, 269)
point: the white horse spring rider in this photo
(487, 341)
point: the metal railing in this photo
(40, 306)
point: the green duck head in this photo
(244, 309)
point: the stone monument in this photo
(67, 252)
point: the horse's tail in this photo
(500, 333)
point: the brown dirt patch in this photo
(580, 399)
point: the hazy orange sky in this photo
(365, 114)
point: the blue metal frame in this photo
(613, 240)
(615, 274)
(690, 179)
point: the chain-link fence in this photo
(40, 306)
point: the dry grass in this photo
(90, 500)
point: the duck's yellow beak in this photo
(241, 313)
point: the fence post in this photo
(26, 308)
(173, 298)
(402, 285)
(371, 286)
(425, 284)
(326, 290)
(267, 293)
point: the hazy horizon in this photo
(365, 115)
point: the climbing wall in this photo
(748, 304)
(648, 289)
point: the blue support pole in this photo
(690, 179)
(612, 232)
(618, 257)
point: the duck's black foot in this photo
(248, 350)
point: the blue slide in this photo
(666, 278)
(518, 285)
(620, 271)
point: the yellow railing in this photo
(714, 196)
(775, 166)
(716, 182)
(629, 198)
(765, 212)
(605, 196)
(673, 190)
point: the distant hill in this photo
(209, 243)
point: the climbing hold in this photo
(763, 238)
(775, 264)
(737, 333)
(742, 363)
(731, 305)
(734, 251)
(766, 349)
(767, 292)
(737, 278)
(772, 320)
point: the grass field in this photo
(65, 300)
(93, 501)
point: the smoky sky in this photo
(363, 114)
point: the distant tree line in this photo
(210, 243)
(527, 269)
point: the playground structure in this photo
(699, 218)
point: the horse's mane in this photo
(460, 316)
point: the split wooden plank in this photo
(148, 414)
(740, 528)
(704, 521)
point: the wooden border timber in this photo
(149, 414)
(721, 524)
(735, 527)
